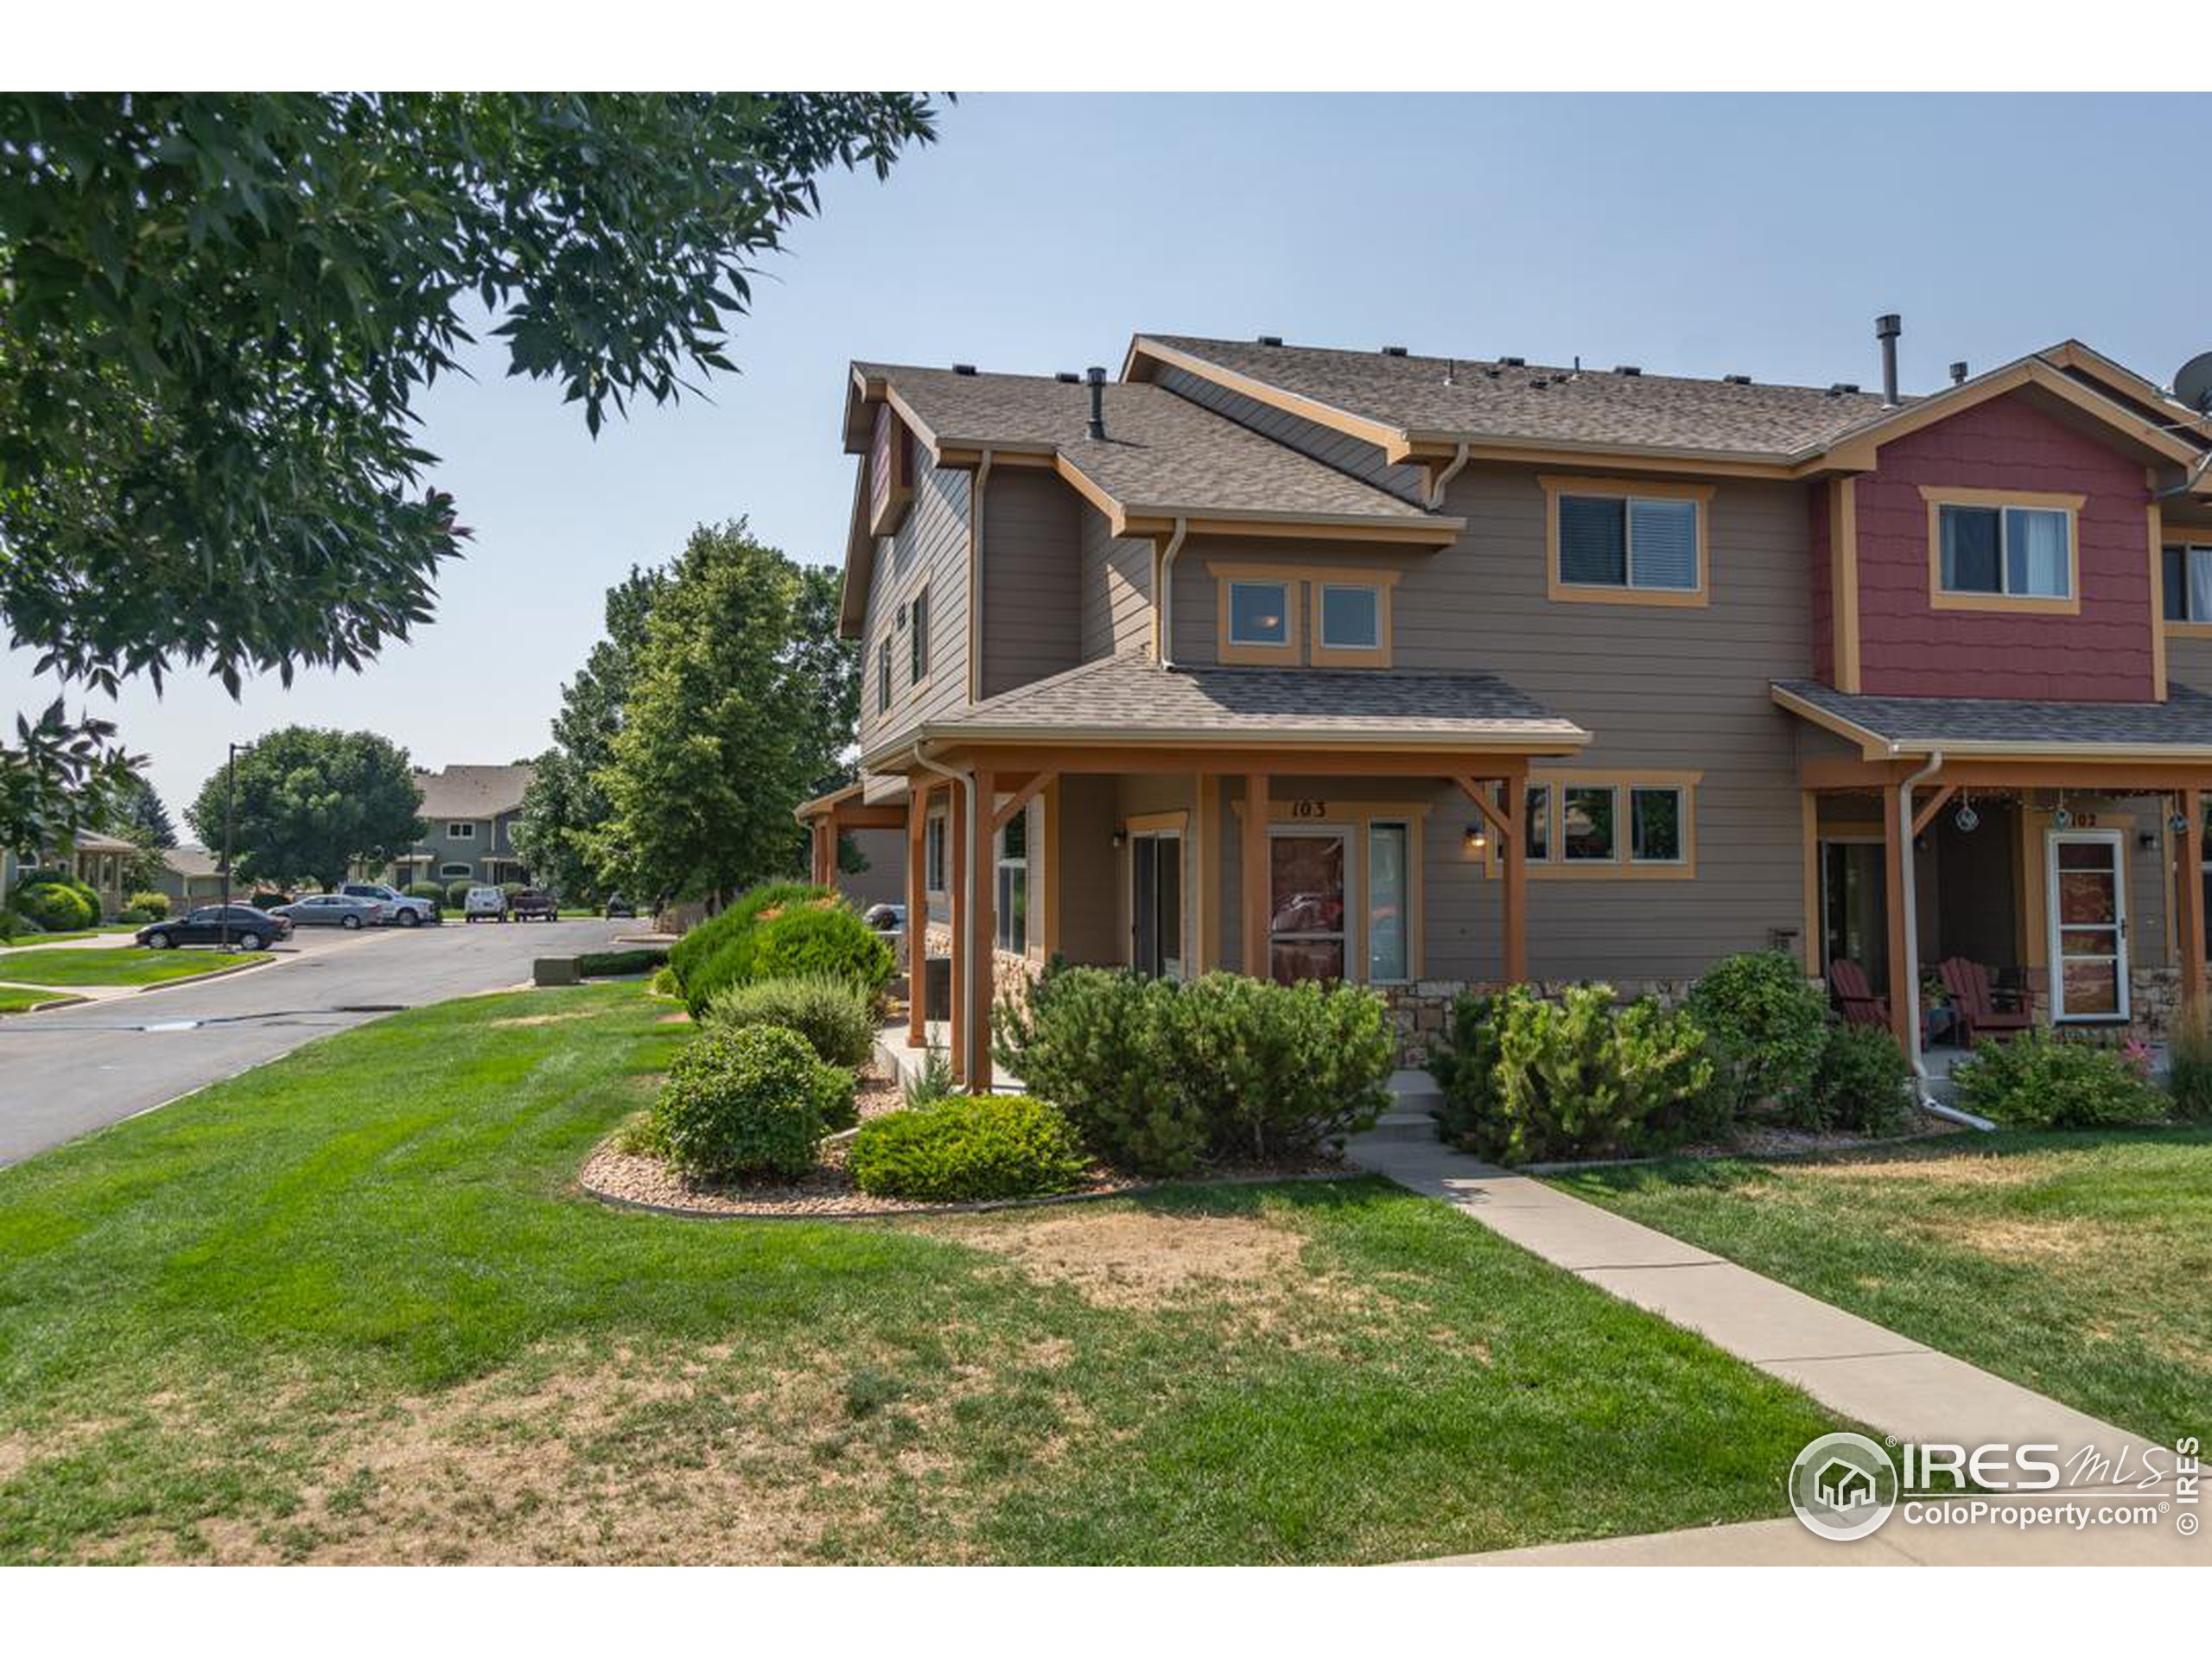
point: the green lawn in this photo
(126, 965)
(351, 1306)
(2075, 1264)
(13, 1000)
(82, 933)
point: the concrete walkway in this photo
(1888, 1383)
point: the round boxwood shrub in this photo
(833, 1014)
(746, 1102)
(429, 890)
(457, 893)
(1863, 1083)
(1768, 1024)
(56, 908)
(154, 905)
(733, 923)
(965, 1150)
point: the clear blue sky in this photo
(1691, 235)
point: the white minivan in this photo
(485, 905)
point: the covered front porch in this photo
(2031, 860)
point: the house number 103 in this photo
(1309, 809)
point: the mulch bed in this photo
(632, 1181)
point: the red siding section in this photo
(1816, 505)
(1908, 648)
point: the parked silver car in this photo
(332, 910)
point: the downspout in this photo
(975, 579)
(1910, 990)
(1444, 479)
(966, 781)
(1165, 610)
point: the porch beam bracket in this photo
(1477, 791)
(1020, 798)
(1926, 815)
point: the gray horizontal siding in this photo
(1032, 555)
(1116, 613)
(932, 548)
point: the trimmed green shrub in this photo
(456, 892)
(1159, 1078)
(2189, 1056)
(154, 906)
(267, 899)
(613, 964)
(834, 1015)
(129, 915)
(1526, 1079)
(1864, 1082)
(837, 1094)
(1769, 1027)
(746, 1103)
(429, 890)
(832, 940)
(664, 982)
(968, 1150)
(56, 908)
(2039, 1080)
(733, 921)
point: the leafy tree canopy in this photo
(310, 803)
(217, 311)
(139, 814)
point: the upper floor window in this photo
(1991, 549)
(460, 832)
(2189, 584)
(1259, 612)
(1285, 614)
(883, 675)
(917, 639)
(1626, 542)
(1351, 624)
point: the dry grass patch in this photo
(1142, 1259)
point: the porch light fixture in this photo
(1967, 818)
(1477, 837)
(2062, 819)
(1120, 839)
(2178, 823)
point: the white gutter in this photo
(1165, 610)
(1910, 907)
(967, 878)
(1444, 479)
(975, 579)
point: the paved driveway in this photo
(70, 1071)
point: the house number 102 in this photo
(1309, 809)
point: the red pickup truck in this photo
(534, 905)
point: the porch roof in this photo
(2178, 729)
(1131, 698)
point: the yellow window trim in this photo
(1939, 496)
(1577, 593)
(1554, 866)
(1357, 819)
(2165, 543)
(1303, 613)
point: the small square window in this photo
(2018, 552)
(1537, 827)
(1259, 614)
(1351, 618)
(1586, 825)
(1655, 825)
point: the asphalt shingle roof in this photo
(1538, 403)
(2182, 721)
(472, 791)
(1160, 453)
(1131, 696)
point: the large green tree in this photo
(218, 312)
(561, 834)
(309, 801)
(720, 737)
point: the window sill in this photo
(1577, 593)
(2189, 630)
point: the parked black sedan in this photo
(247, 927)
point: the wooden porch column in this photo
(918, 914)
(825, 841)
(957, 814)
(1895, 851)
(1253, 892)
(1513, 889)
(2189, 902)
(984, 851)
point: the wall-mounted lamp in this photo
(2146, 839)
(1477, 837)
(1120, 839)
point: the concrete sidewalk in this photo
(1890, 1383)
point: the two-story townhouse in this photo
(468, 816)
(1423, 672)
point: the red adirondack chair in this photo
(1976, 1004)
(1855, 996)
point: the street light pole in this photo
(230, 799)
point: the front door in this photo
(1305, 904)
(1156, 892)
(2087, 901)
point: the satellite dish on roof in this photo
(2193, 383)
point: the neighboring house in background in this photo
(468, 816)
(191, 875)
(1424, 671)
(99, 860)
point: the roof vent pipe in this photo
(1096, 377)
(1959, 372)
(1887, 328)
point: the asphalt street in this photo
(68, 1072)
